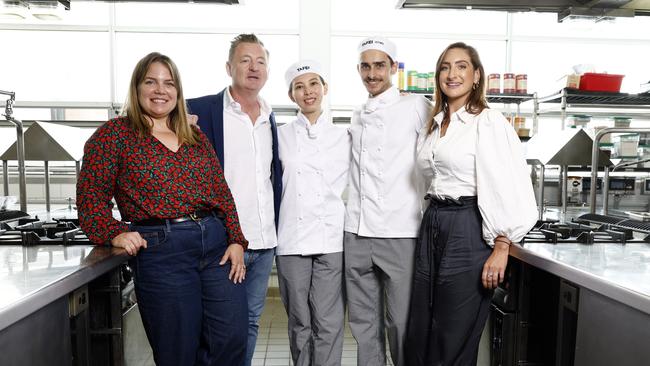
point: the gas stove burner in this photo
(48, 229)
(579, 231)
(30, 232)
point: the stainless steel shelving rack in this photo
(624, 104)
(582, 100)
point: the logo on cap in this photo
(303, 68)
(370, 41)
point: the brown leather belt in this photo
(194, 216)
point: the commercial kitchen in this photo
(572, 77)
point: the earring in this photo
(474, 86)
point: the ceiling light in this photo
(47, 10)
(13, 10)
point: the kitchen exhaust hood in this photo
(225, 2)
(566, 9)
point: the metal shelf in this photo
(597, 99)
(505, 98)
(509, 98)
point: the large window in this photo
(56, 66)
(86, 59)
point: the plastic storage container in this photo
(601, 82)
(626, 145)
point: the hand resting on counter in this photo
(131, 241)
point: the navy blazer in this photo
(210, 111)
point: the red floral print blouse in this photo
(148, 181)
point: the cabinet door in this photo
(610, 333)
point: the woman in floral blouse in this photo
(178, 221)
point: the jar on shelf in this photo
(509, 86)
(521, 84)
(412, 80)
(622, 122)
(579, 120)
(423, 79)
(494, 84)
(431, 81)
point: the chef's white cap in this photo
(379, 43)
(302, 67)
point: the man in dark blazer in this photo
(242, 129)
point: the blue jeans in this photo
(258, 269)
(192, 313)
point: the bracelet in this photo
(506, 241)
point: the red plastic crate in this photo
(601, 82)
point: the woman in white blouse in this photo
(315, 157)
(480, 201)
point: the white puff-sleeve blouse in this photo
(480, 155)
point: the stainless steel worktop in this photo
(619, 272)
(32, 277)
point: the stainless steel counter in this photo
(32, 277)
(619, 272)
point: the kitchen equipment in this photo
(574, 188)
(641, 216)
(601, 82)
(33, 231)
(20, 150)
(588, 229)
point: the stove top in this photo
(32, 231)
(586, 229)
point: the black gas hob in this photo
(588, 229)
(33, 231)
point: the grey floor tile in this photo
(276, 361)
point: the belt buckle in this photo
(194, 217)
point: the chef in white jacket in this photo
(481, 200)
(383, 211)
(315, 157)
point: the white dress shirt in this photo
(383, 200)
(480, 155)
(248, 155)
(315, 161)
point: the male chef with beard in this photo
(384, 207)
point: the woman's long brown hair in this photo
(476, 102)
(177, 121)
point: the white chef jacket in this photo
(383, 200)
(315, 161)
(480, 155)
(248, 154)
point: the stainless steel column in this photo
(541, 191)
(564, 172)
(605, 190)
(5, 177)
(20, 148)
(47, 186)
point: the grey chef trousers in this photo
(311, 288)
(449, 305)
(378, 276)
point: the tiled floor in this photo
(273, 342)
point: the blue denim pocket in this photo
(154, 238)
